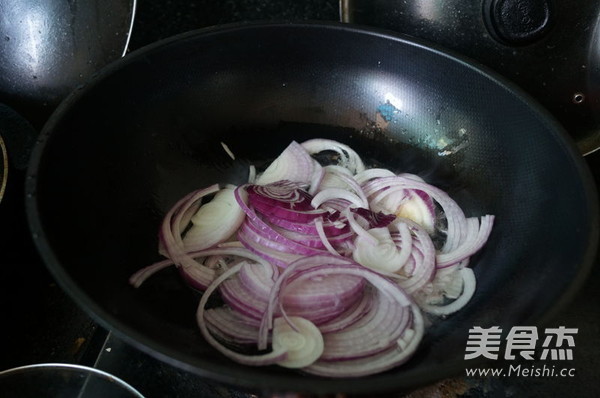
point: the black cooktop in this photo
(41, 324)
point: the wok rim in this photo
(380, 383)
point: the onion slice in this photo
(469, 285)
(269, 358)
(410, 332)
(301, 340)
(214, 222)
(293, 164)
(348, 157)
(382, 256)
(327, 269)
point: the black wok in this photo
(121, 150)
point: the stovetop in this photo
(41, 324)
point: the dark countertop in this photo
(41, 324)
(175, 16)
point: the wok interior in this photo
(119, 153)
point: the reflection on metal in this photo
(4, 171)
(49, 48)
(344, 11)
(71, 377)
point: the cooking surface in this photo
(42, 324)
(511, 37)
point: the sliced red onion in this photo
(268, 237)
(275, 257)
(290, 279)
(171, 241)
(341, 177)
(370, 174)
(138, 278)
(195, 275)
(278, 201)
(337, 193)
(348, 157)
(214, 222)
(298, 265)
(331, 178)
(383, 256)
(352, 315)
(424, 256)
(331, 228)
(269, 358)
(244, 301)
(323, 237)
(335, 205)
(293, 164)
(318, 291)
(359, 229)
(324, 266)
(309, 240)
(410, 334)
(394, 356)
(419, 207)
(259, 278)
(251, 174)
(455, 217)
(316, 301)
(172, 225)
(286, 194)
(317, 178)
(315, 240)
(375, 220)
(300, 338)
(468, 290)
(230, 326)
(409, 203)
(370, 335)
(476, 236)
